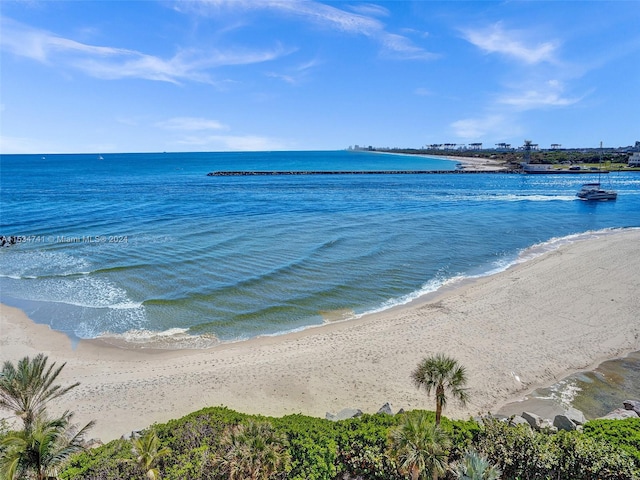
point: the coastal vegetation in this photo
(28, 387)
(420, 446)
(441, 374)
(44, 443)
(612, 159)
(218, 443)
(372, 447)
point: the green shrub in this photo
(362, 447)
(323, 450)
(623, 434)
(523, 454)
(203, 427)
(312, 446)
(113, 461)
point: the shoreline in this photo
(469, 164)
(473, 164)
(515, 331)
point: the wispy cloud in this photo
(117, 63)
(204, 134)
(191, 124)
(423, 92)
(233, 143)
(40, 45)
(491, 125)
(360, 21)
(369, 9)
(295, 75)
(503, 116)
(9, 144)
(403, 48)
(547, 94)
(511, 43)
(526, 87)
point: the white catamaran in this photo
(594, 191)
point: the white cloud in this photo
(234, 143)
(191, 124)
(495, 39)
(15, 145)
(536, 99)
(309, 10)
(547, 94)
(285, 78)
(116, 63)
(295, 75)
(40, 45)
(402, 46)
(203, 134)
(369, 9)
(423, 92)
(493, 125)
(360, 23)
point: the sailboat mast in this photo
(600, 162)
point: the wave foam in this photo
(30, 264)
(530, 253)
(171, 339)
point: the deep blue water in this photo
(149, 242)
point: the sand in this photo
(470, 164)
(475, 164)
(527, 327)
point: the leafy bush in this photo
(357, 448)
(623, 434)
(312, 446)
(362, 447)
(112, 461)
(203, 427)
(524, 454)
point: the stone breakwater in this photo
(351, 172)
(570, 418)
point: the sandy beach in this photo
(475, 164)
(470, 164)
(561, 312)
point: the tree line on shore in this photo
(218, 443)
(612, 159)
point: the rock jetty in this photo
(243, 173)
(571, 419)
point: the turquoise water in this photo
(139, 243)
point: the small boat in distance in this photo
(594, 191)
(100, 157)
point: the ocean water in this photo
(148, 247)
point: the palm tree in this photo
(442, 374)
(26, 388)
(37, 452)
(253, 451)
(420, 447)
(474, 466)
(147, 452)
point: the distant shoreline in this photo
(469, 164)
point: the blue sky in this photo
(221, 75)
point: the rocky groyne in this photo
(244, 173)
